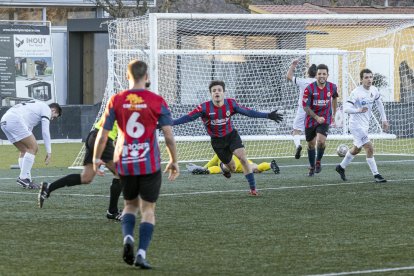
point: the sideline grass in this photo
(297, 226)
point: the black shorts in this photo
(147, 186)
(108, 153)
(224, 146)
(310, 132)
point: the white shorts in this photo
(14, 128)
(299, 122)
(360, 136)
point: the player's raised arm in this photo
(291, 71)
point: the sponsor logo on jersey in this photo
(219, 122)
(135, 102)
(135, 152)
(320, 102)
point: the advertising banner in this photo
(26, 68)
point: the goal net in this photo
(251, 54)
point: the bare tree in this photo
(118, 8)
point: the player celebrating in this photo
(225, 139)
(137, 155)
(319, 103)
(213, 166)
(17, 123)
(88, 174)
(359, 106)
(299, 121)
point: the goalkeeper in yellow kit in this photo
(213, 166)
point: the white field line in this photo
(379, 270)
(229, 191)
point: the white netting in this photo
(252, 55)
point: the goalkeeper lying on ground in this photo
(213, 166)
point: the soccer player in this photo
(299, 121)
(319, 103)
(213, 166)
(88, 174)
(17, 123)
(137, 156)
(359, 107)
(225, 140)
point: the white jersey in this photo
(31, 112)
(302, 83)
(359, 98)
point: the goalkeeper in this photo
(213, 166)
(225, 140)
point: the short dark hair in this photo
(364, 71)
(137, 69)
(322, 67)
(57, 107)
(217, 82)
(312, 71)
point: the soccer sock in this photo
(347, 159)
(296, 140)
(214, 169)
(372, 165)
(69, 180)
(20, 162)
(320, 153)
(252, 182)
(262, 167)
(114, 193)
(145, 235)
(128, 225)
(27, 164)
(311, 157)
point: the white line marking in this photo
(232, 191)
(366, 271)
(281, 166)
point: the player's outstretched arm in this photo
(172, 166)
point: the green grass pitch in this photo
(208, 225)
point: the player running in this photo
(88, 174)
(225, 140)
(299, 121)
(137, 156)
(17, 123)
(319, 103)
(359, 107)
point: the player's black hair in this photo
(364, 71)
(57, 107)
(137, 69)
(322, 67)
(217, 82)
(312, 71)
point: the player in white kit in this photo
(18, 122)
(359, 106)
(302, 83)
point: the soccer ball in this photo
(342, 150)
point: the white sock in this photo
(27, 164)
(347, 159)
(372, 165)
(142, 253)
(296, 140)
(20, 162)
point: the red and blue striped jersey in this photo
(216, 119)
(319, 101)
(137, 113)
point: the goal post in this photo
(251, 54)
